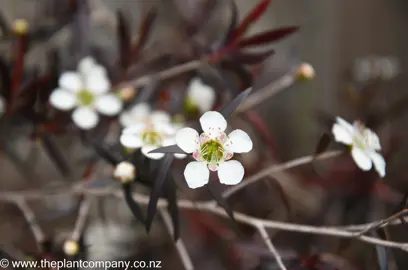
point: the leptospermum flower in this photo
(87, 89)
(213, 150)
(200, 95)
(147, 130)
(2, 106)
(364, 144)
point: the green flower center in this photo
(212, 151)
(85, 97)
(151, 137)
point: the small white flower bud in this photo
(71, 247)
(127, 93)
(20, 26)
(125, 172)
(305, 72)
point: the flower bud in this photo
(20, 26)
(305, 72)
(125, 172)
(71, 247)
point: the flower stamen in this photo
(85, 97)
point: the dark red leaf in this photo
(144, 32)
(124, 40)
(251, 58)
(323, 143)
(267, 36)
(252, 17)
(5, 79)
(133, 206)
(231, 27)
(21, 47)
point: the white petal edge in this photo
(341, 134)
(373, 140)
(97, 83)
(379, 163)
(140, 111)
(62, 99)
(86, 65)
(213, 123)
(160, 117)
(231, 172)
(196, 174)
(239, 142)
(349, 127)
(187, 139)
(131, 141)
(201, 94)
(361, 158)
(126, 119)
(71, 81)
(109, 104)
(147, 149)
(85, 118)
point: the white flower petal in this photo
(342, 134)
(140, 111)
(203, 96)
(86, 65)
(131, 140)
(85, 118)
(134, 129)
(213, 123)
(361, 158)
(231, 172)
(379, 163)
(372, 140)
(187, 139)
(147, 149)
(97, 83)
(108, 104)
(196, 174)
(349, 127)
(160, 117)
(165, 128)
(125, 172)
(126, 119)
(71, 81)
(239, 142)
(62, 99)
(180, 156)
(2, 105)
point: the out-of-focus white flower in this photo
(364, 144)
(124, 172)
(375, 67)
(147, 130)
(71, 247)
(2, 105)
(88, 90)
(213, 150)
(200, 95)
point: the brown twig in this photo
(271, 246)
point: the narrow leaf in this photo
(105, 154)
(323, 143)
(233, 105)
(144, 32)
(267, 36)
(21, 47)
(5, 77)
(81, 28)
(134, 207)
(245, 78)
(4, 26)
(157, 188)
(220, 200)
(230, 30)
(171, 196)
(50, 147)
(173, 149)
(382, 255)
(252, 17)
(124, 40)
(251, 58)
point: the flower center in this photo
(212, 151)
(152, 137)
(85, 97)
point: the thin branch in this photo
(270, 246)
(81, 219)
(29, 216)
(181, 248)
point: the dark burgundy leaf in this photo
(173, 149)
(4, 26)
(125, 39)
(5, 76)
(233, 105)
(16, 159)
(134, 207)
(171, 196)
(105, 154)
(323, 143)
(252, 17)
(21, 46)
(81, 28)
(382, 254)
(162, 175)
(233, 23)
(50, 147)
(217, 196)
(144, 32)
(395, 110)
(245, 78)
(147, 92)
(251, 58)
(267, 36)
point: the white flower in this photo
(200, 95)
(125, 172)
(213, 150)
(71, 247)
(88, 90)
(148, 130)
(2, 105)
(364, 144)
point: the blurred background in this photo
(356, 47)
